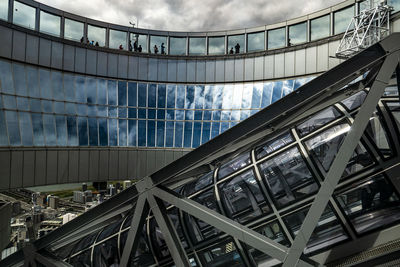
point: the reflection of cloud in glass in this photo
(247, 95)
(117, 38)
(342, 19)
(276, 38)
(177, 45)
(255, 41)
(320, 27)
(50, 23)
(216, 45)
(24, 15)
(197, 46)
(73, 29)
(4, 9)
(97, 34)
(298, 33)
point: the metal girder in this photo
(32, 258)
(342, 158)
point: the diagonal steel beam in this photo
(342, 158)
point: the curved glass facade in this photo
(42, 107)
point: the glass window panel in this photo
(151, 113)
(24, 15)
(216, 45)
(83, 131)
(236, 44)
(113, 132)
(19, 80)
(9, 102)
(395, 4)
(61, 128)
(73, 29)
(244, 114)
(158, 44)
(196, 134)
(169, 134)
(208, 96)
(297, 33)
(132, 132)
(197, 46)
(324, 148)
(112, 92)
(101, 91)
(93, 132)
(122, 93)
(91, 90)
(327, 232)
(255, 41)
(187, 141)
(177, 45)
(288, 177)
(223, 254)
(320, 27)
(317, 121)
(354, 101)
(205, 136)
(171, 96)
(105, 253)
(57, 85)
(257, 95)
(142, 113)
(202, 182)
(26, 129)
(4, 9)
(132, 94)
(142, 95)
(267, 94)
(160, 133)
(50, 23)
(247, 95)
(37, 125)
(142, 133)
(141, 41)
(342, 19)
(82, 109)
(122, 133)
(47, 106)
(277, 91)
(3, 129)
(132, 113)
(69, 87)
(287, 87)
(233, 165)
(92, 110)
(217, 96)
(237, 96)
(207, 115)
(49, 130)
(6, 76)
(96, 35)
(277, 38)
(227, 99)
(32, 79)
(273, 145)
(190, 93)
(178, 134)
(70, 108)
(151, 97)
(72, 131)
(378, 134)
(103, 135)
(45, 84)
(161, 96)
(81, 259)
(215, 129)
(118, 40)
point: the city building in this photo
(235, 148)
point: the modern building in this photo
(73, 112)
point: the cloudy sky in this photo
(190, 15)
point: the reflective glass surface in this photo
(297, 34)
(236, 44)
(223, 254)
(377, 132)
(395, 4)
(318, 120)
(4, 9)
(158, 44)
(141, 41)
(177, 45)
(118, 40)
(272, 145)
(50, 23)
(24, 15)
(216, 45)
(197, 46)
(276, 38)
(97, 34)
(342, 19)
(320, 27)
(235, 164)
(73, 29)
(354, 101)
(255, 41)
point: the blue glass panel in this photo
(189, 102)
(142, 95)
(395, 4)
(80, 93)
(179, 114)
(216, 115)
(187, 140)
(160, 133)
(244, 114)
(122, 93)
(122, 132)
(81, 109)
(132, 132)
(6, 80)
(277, 92)
(161, 96)
(247, 95)
(93, 133)
(208, 96)
(49, 130)
(3, 130)
(19, 80)
(151, 113)
(59, 107)
(122, 112)
(102, 111)
(112, 92)
(113, 132)
(47, 106)
(152, 95)
(205, 136)
(267, 94)
(103, 136)
(199, 97)
(9, 102)
(45, 84)
(69, 87)
(198, 115)
(235, 116)
(151, 133)
(180, 96)
(178, 134)
(287, 87)
(132, 94)
(57, 85)
(215, 129)
(226, 115)
(227, 99)
(217, 97)
(257, 95)
(72, 131)
(101, 91)
(61, 127)
(35, 105)
(189, 114)
(297, 33)
(224, 126)
(83, 131)
(32, 80)
(170, 114)
(37, 123)
(91, 90)
(196, 134)
(232, 123)
(207, 115)
(112, 112)
(132, 113)
(142, 113)
(26, 128)
(142, 133)
(169, 134)
(171, 96)
(161, 114)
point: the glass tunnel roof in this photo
(269, 187)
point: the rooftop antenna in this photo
(365, 29)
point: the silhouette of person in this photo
(162, 49)
(121, 47)
(130, 45)
(82, 39)
(97, 44)
(155, 49)
(231, 51)
(135, 46)
(237, 48)
(139, 48)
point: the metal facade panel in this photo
(201, 71)
(300, 62)
(69, 58)
(172, 70)
(162, 70)
(51, 167)
(210, 71)
(62, 169)
(132, 164)
(94, 165)
(80, 59)
(29, 169)
(103, 165)
(73, 166)
(44, 52)
(122, 164)
(113, 165)
(269, 67)
(168, 156)
(249, 69)
(40, 167)
(143, 69)
(279, 65)
(101, 63)
(229, 70)
(239, 69)
(258, 68)
(160, 160)
(331, 54)
(220, 71)
(191, 71)
(289, 64)
(32, 49)
(150, 162)
(311, 59)
(5, 169)
(5, 42)
(141, 164)
(322, 57)
(112, 66)
(56, 55)
(17, 158)
(133, 68)
(91, 61)
(83, 165)
(19, 42)
(123, 66)
(178, 154)
(181, 71)
(152, 69)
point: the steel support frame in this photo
(342, 158)
(32, 258)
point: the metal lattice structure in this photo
(365, 29)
